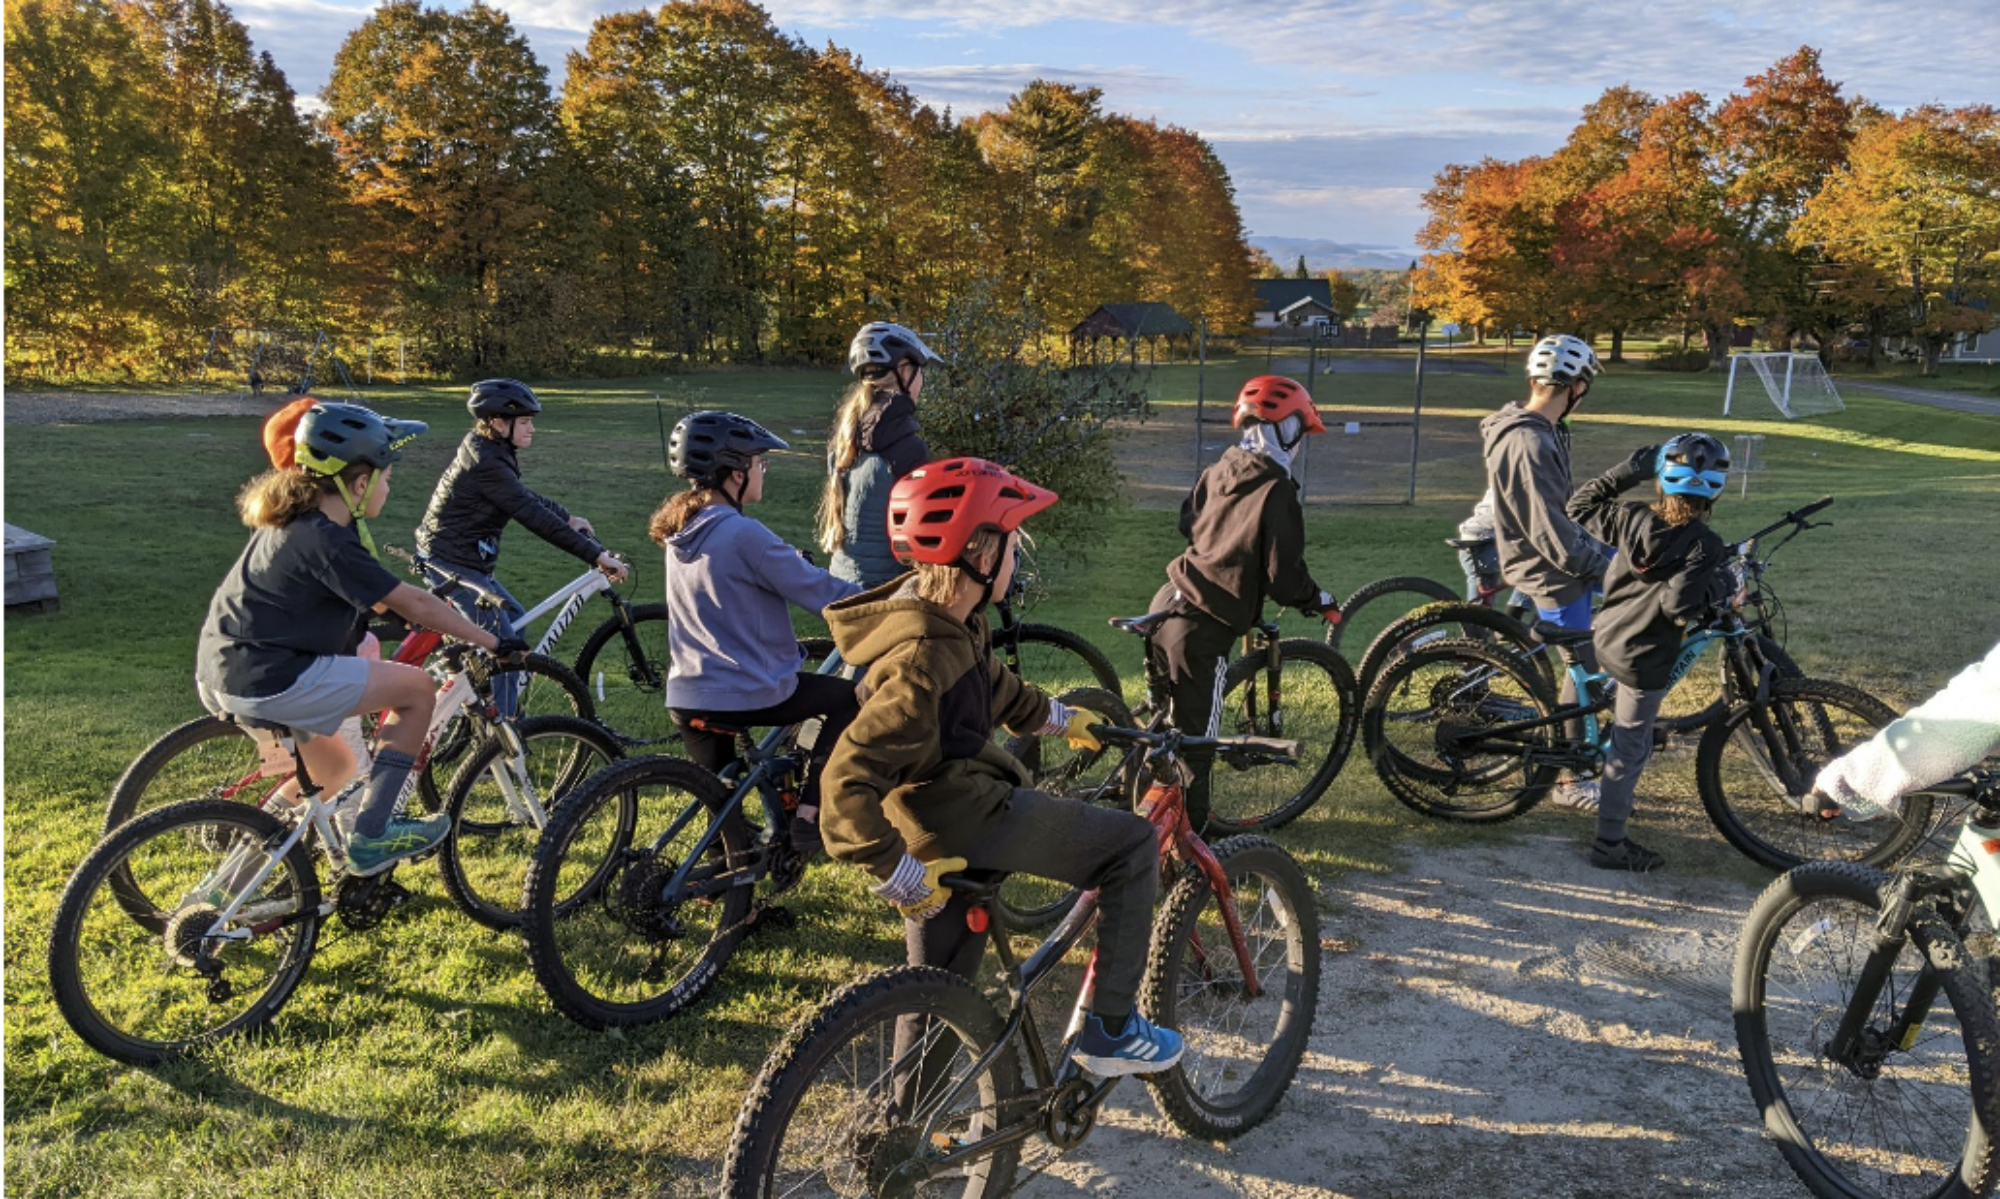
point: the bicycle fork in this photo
(1854, 1045)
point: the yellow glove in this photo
(921, 899)
(1078, 730)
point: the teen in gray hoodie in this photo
(730, 583)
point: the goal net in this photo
(1796, 383)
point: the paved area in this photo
(1957, 401)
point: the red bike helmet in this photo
(935, 509)
(1272, 398)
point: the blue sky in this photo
(1332, 115)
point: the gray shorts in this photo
(325, 695)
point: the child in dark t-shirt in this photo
(280, 638)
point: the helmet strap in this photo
(357, 510)
(984, 578)
(721, 488)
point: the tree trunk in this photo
(1718, 346)
(1618, 345)
(1933, 350)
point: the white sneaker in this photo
(1580, 794)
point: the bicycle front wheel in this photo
(1379, 604)
(1058, 660)
(547, 688)
(1756, 765)
(1028, 903)
(872, 1089)
(1312, 701)
(612, 943)
(624, 669)
(1703, 695)
(1242, 1049)
(500, 802)
(1910, 1113)
(1426, 728)
(145, 991)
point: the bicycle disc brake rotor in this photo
(635, 896)
(884, 1157)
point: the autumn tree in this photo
(1346, 293)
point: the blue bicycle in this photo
(1470, 730)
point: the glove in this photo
(914, 888)
(1644, 462)
(509, 648)
(1076, 730)
(1325, 607)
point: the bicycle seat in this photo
(264, 726)
(1554, 634)
(1145, 625)
(1468, 543)
(979, 886)
(705, 725)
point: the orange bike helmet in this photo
(935, 509)
(281, 432)
(1272, 398)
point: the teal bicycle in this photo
(1470, 730)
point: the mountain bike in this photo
(216, 757)
(1233, 967)
(1464, 730)
(1692, 705)
(1867, 1028)
(196, 920)
(646, 882)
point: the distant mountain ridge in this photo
(1321, 254)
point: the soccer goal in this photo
(1797, 384)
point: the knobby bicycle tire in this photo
(1314, 676)
(490, 891)
(614, 893)
(863, 1009)
(630, 694)
(1100, 671)
(1189, 964)
(1767, 1057)
(1456, 619)
(1814, 721)
(1374, 593)
(170, 827)
(459, 738)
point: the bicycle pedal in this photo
(772, 918)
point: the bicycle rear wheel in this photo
(1424, 721)
(147, 991)
(1242, 1051)
(1910, 1116)
(845, 1108)
(1377, 605)
(1317, 707)
(493, 803)
(608, 945)
(1756, 765)
(1087, 776)
(624, 671)
(1058, 660)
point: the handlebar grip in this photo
(1818, 505)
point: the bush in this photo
(1001, 397)
(1689, 361)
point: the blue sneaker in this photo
(1141, 1049)
(401, 839)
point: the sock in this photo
(385, 782)
(1115, 1025)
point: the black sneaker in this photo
(1624, 854)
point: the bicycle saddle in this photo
(1145, 625)
(267, 726)
(1555, 634)
(1468, 543)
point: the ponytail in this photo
(1678, 510)
(843, 446)
(673, 515)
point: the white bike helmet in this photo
(1559, 360)
(883, 346)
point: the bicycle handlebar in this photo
(1267, 749)
(1797, 516)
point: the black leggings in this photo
(1192, 651)
(828, 696)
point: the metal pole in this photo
(1200, 389)
(1417, 413)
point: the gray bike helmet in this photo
(883, 346)
(1559, 360)
(705, 446)
(499, 399)
(333, 437)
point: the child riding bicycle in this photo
(1246, 535)
(476, 497)
(282, 629)
(1669, 573)
(729, 580)
(1544, 553)
(916, 788)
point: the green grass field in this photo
(420, 1059)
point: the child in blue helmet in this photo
(1670, 572)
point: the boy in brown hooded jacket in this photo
(916, 789)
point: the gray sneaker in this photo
(1579, 794)
(401, 839)
(1624, 854)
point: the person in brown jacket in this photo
(1246, 534)
(916, 788)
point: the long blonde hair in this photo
(843, 446)
(276, 498)
(938, 584)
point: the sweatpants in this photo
(1192, 651)
(1071, 842)
(1632, 715)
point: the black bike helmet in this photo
(499, 399)
(705, 446)
(333, 437)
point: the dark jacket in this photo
(1663, 580)
(479, 493)
(918, 771)
(891, 446)
(1246, 534)
(1543, 552)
